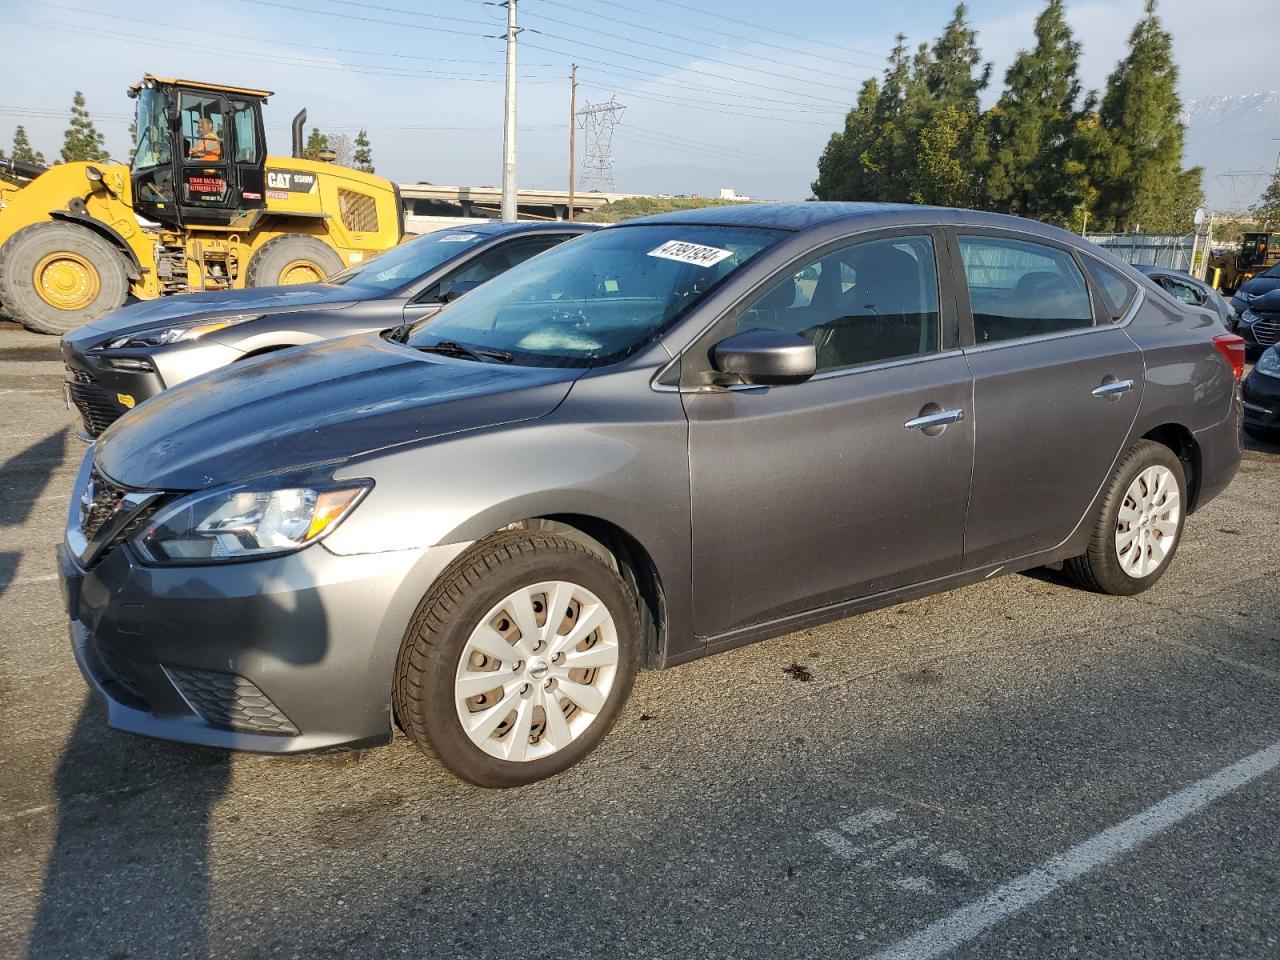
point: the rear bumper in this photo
(285, 655)
(1220, 455)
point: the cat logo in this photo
(126, 400)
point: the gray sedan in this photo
(1193, 292)
(659, 441)
(126, 357)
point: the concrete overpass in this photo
(432, 202)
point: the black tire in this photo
(25, 250)
(423, 687)
(1099, 568)
(268, 266)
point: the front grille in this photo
(113, 668)
(359, 211)
(96, 407)
(231, 702)
(100, 499)
(1267, 329)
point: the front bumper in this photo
(1261, 397)
(284, 655)
(102, 392)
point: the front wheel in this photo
(1139, 524)
(519, 660)
(55, 277)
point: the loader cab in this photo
(200, 152)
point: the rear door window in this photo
(1019, 289)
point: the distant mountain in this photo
(1230, 134)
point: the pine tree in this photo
(1267, 209)
(317, 142)
(82, 141)
(1032, 128)
(844, 169)
(363, 156)
(22, 148)
(1138, 172)
(947, 146)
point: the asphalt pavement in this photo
(1014, 769)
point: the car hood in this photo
(151, 313)
(1268, 301)
(1260, 285)
(316, 405)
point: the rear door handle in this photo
(939, 419)
(1113, 389)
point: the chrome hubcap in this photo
(1148, 523)
(536, 671)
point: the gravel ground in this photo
(829, 793)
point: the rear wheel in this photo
(1139, 524)
(285, 261)
(55, 277)
(519, 660)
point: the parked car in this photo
(117, 362)
(1260, 285)
(662, 440)
(1261, 395)
(1193, 292)
(1260, 322)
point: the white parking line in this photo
(1221, 658)
(970, 921)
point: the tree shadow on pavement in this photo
(23, 479)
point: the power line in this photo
(725, 33)
(665, 33)
(689, 8)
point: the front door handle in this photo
(1112, 389)
(939, 419)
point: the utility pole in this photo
(509, 205)
(573, 127)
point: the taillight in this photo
(1232, 349)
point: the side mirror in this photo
(764, 357)
(459, 289)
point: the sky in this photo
(717, 93)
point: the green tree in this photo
(947, 148)
(1267, 209)
(317, 142)
(1033, 126)
(1138, 164)
(22, 149)
(82, 141)
(363, 156)
(845, 169)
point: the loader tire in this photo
(285, 261)
(55, 277)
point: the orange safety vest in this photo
(208, 147)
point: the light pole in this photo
(509, 205)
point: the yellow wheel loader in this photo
(201, 207)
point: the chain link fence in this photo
(1157, 249)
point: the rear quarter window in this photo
(1117, 290)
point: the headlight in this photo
(178, 333)
(1244, 296)
(1269, 363)
(1249, 316)
(243, 522)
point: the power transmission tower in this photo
(598, 121)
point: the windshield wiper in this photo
(451, 348)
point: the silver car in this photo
(659, 441)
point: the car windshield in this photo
(408, 261)
(592, 301)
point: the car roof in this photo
(812, 213)
(495, 228)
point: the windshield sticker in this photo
(458, 238)
(693, 253)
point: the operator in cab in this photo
(207, 146)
